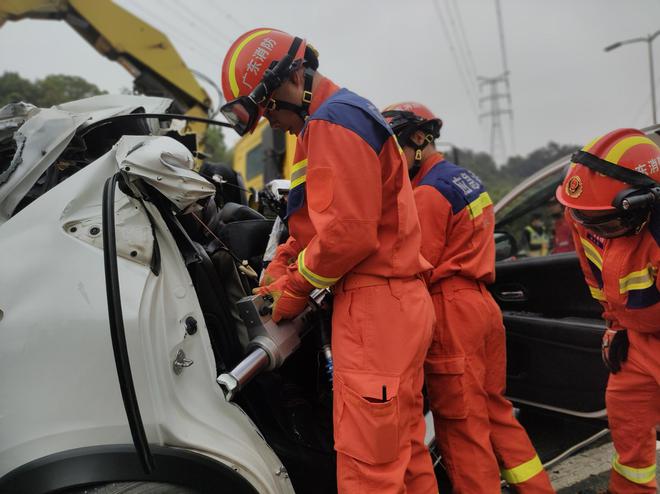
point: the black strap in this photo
(301, 110)
(414, 170)
(613, 170)
(307, 92)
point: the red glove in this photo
(290, 293)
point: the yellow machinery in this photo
(264, 155)
(120, 36)
(159, 71)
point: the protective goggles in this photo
(616, 224)
(244, 112)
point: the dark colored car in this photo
(554, 327)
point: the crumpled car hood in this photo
(42, 134)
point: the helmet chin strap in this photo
(301, 110)
(417, 164)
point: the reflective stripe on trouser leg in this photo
(519, 462)
(633, 409)
(636, 475)
(523, 472)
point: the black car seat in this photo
(245, 231)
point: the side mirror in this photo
(505, 246)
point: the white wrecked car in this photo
(119, 277)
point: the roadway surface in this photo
(584, 470)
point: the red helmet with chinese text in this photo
(257, 63)
(616, 173)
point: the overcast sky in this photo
(564, 86)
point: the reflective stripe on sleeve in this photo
(523, 472)
(317, 280)
(636, 475)
(298, 173)
(637, 280)
(477, 206)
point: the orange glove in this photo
(286, 254)
(290, 293)
(275, 270)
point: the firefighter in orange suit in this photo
(466, 365)
(612, 196)
(352, 217)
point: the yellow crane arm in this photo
(120, 36)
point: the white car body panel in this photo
(59, 382)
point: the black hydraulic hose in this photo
(117, 332)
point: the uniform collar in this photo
(430, 161)
(323, 91)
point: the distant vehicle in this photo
(554, 326)
(264, 155)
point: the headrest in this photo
(232, 211)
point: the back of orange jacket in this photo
(457, 220)
(361, 216)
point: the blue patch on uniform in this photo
(296, 199)
(458, 185)
(357, 114)
(596, 272)
(640, 299)
(596, 240)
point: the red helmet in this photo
(256, 64)
(409, 116)
(586, 189)
(249, 57)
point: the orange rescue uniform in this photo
(351, 212)
(622, 274)
(466, 365)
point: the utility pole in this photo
(649, 41)
(496, 111)
(505, 69)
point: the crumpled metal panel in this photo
(43, 135)
(40, 140)
(165, 164)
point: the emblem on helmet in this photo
(574, 186)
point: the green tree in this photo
(518, 167)
(51, 90)
(499, 181)
(483, 165)
(215, 147)
(14, 88)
